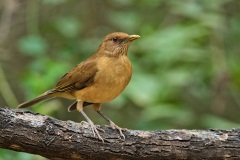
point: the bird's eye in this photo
(114, 39)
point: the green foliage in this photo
(69, 27)
(33, 45)
(53, 2)
(9, 155)
(186, 64)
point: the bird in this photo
(96, 80)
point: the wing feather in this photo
(78, 78)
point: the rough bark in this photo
(29, 132)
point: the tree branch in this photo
(29, 132)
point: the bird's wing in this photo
(78, 78)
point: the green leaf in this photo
(211, 121)
(130, 19)
(169, 111)
(32, 45)
(53, 2)
(143, 89)
(68, 27)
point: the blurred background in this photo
(186, 64)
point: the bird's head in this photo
(117, 43)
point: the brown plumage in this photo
(99, 79)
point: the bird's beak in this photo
(133, 37)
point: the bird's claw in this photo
(100, 129)
(84, 122)
(114, 126)
(95, 131)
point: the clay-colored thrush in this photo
(99, 79)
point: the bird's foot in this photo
(114, 126)
(95, 131)
(93, 127)
(84, 123)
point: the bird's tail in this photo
(43, 97)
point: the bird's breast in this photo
(111, 79)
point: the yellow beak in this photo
(133, 37)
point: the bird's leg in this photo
(73, 106)
(93, 127)
(113, 125)
(97, 107)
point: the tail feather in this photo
(42, 97)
